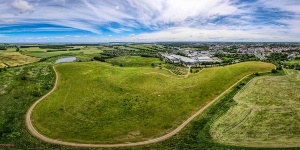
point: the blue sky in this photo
(80, 21)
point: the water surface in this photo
(65, 59)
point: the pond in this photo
(65, 59)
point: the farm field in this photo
(15, 58)
(2, 65)
(267, 114)
(42, 53)
(125, 104)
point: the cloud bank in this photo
(155, 20)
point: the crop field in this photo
(267, 114)
(2, 65)
(42, 53)
(135, 61)
(126, 104)
(15, 58)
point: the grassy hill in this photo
(99, 103)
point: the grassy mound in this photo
(267, 114)
(99, 103)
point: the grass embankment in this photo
(267, 114)
(15, 58)
(98, 103)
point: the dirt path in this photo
(34, 132)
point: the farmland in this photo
(266, 114)
(15, 58)
(125, 104)
(2, 65)
(46, 53)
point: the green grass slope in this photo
(267, 114)
(134, 61)
(99, 103)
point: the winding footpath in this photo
(34, 132)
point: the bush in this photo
(274, 71)
(99, 58)
(23, 78)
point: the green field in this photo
(267, 114)
(125, 104)
(292, 62)
(135, 61)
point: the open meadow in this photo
(293, 62)
(100, 103)
(135, 61)
(267, 114)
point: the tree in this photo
(18, 49)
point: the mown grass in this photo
(267, 114)
(15, 59)
(135, 61)
(99, 103)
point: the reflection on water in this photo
(65, 59)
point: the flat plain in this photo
(100, 103)
(267, 114)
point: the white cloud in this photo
(89, 15)
(165, 19)
(222, 35)
(6, 21)
(22, 6)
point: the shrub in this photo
(23, 78)
(274, 71)
(99, 58)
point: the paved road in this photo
(34, 132)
